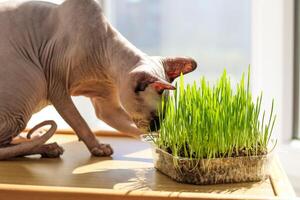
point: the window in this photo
(216, 33)
(297, 71)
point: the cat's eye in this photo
(140, 87)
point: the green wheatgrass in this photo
(203, 121)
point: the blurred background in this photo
(219, 34)
(216, 33)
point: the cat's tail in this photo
(24, 147)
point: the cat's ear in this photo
(143, 79)
(162, 85)
(174, 66)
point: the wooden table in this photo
(129, 174)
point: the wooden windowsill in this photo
(129, 174)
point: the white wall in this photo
(272, 59)
(272, 51)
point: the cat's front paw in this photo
(102, 150)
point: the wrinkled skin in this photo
(49, 53)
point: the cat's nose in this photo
(154, 124)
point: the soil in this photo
(212, 171)
(239, 153)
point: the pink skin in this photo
(55, 52)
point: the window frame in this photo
(296, 123)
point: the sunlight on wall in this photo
(85, 108)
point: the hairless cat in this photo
(50, 52)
